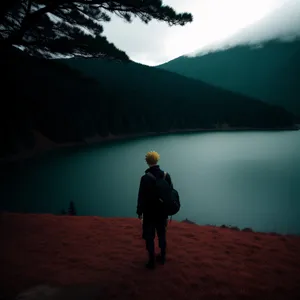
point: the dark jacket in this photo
(148, 203)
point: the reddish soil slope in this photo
(108, 254)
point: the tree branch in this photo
(28, 7)
(27, 22)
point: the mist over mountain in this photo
(281, 23)
(217, 24)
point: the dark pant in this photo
(149, 228)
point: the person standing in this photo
(150, 208)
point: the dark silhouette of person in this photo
(151, 212)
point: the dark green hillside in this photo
(175, 101)
(270, 73)
(65, 106)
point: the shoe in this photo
(150, 264)
(161, 259)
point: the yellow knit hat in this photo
(152, 158)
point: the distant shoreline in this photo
(43, 144)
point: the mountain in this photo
(177, 102)
(269, 72)
(69, 101)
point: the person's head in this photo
(152, 158)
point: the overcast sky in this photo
(216, 23)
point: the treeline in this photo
(66, 106)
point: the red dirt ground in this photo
(203, 262)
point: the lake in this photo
(244, 179)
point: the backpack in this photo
(167, 195)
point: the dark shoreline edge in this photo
(235, 228)
(185, 221)
(31, 153)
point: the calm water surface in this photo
(247, 179)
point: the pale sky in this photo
(216, 23)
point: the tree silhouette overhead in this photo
(67, 27)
